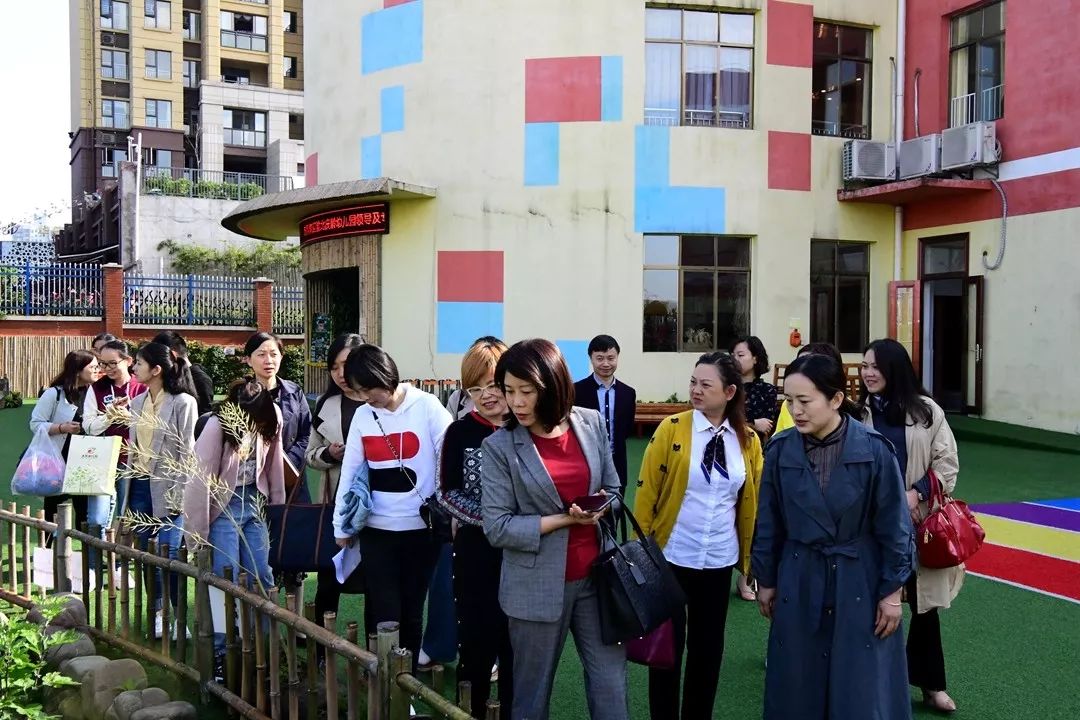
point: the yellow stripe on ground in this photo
(1036, 538)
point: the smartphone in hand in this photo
(593, 503)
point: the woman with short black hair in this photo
(548, 455)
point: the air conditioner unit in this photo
(110, 138)
(920, 156)
(969, 146)
(108, 39)
(866, 160)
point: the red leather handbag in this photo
(950, 534)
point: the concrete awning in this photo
(276, 216)
(906, 192)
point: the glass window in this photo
(290, 67)
(110, 161)
(159, 113)
(840, 294)
(698, 68)
(245, 128)
(159, 64)
(696, 292)
(157, 14)
(115, 114)
(977, 65)
(945, 256)
(114, 64)
(191, 73)
(192, 25)
(243, 31)
(114, 15)
(840, 91)
(238, 76)
(290, 21)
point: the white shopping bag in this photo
(44, 577)
(91, 465)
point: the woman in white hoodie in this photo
(399, 434)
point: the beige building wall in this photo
(145, 88)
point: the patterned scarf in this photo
(825, 453)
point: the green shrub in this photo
(292, 364)
(250, 190)
(224, 369)
(23, 677)
(10, 399)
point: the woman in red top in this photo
(548, 455)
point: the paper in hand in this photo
(346, 561)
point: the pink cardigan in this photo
(218, 457)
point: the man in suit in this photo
(615, 400)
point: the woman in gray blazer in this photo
(548, 454)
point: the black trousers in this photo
(397, 567)
(699, 628)
(925, 656)
(483, 630)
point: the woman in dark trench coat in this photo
(833, 548)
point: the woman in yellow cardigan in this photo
(697, 496)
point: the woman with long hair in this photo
(334, 412)
(895, 403)
(697, 496)
(161, 441)
(399, 434)
(548, 455)
(240, 470)
(59, 409)
(832, 550)
(483, 634)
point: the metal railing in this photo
(191, 300)
(216, 184)
(53, 289)
(986, 105)
(244, 138)
(833, 128)
(243, 40)
(268, 642)
(669, 117)
(288, 310)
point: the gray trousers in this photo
(539, 645)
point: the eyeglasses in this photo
(475, 392)
(109, 365)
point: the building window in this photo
(977, 65)
(290, 67)
(245, 128)
(191, 73)
(159, 64)
(192, 26)
(157, 162)
(114, 15)
(242, 31)
(115, 114)
(236, 76)
(290, 21)
(840, 294)
(114, 64)
(159, 113)
(110, 161)
(157, 14)
(697, 292)
(841, 80)
(698, 68)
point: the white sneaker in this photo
(187, 632)
(423, 660)
(495, 672)
(158, 625)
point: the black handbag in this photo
(292, 528)
(635, 588)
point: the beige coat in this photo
(325, 430)
(934, 448)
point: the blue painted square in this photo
(611, 88)
(392, 37)
(652, 156)
(392, 104)
(576, 353)
(542, 154)
(460, 323)
(371, 157)
(679, 210)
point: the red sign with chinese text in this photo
(373, 219)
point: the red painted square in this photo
(789, 161)
(311, 170)
(392, 3)
(562, 89)
(470, 276)
(789, 38)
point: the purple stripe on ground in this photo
(1035, 514)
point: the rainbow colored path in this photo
(1033, 545)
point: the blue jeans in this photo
(440, 636)
(252, 554)
(139, 501)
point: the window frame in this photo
(108, 119)
(157, 105)
(974, 42)
(717, 270)
(289, 70)
(152, 15)
(189, 79)
(108, 167)
(230, 132)
(156, 54)
(868, 92)
(291, 21)
(111, 16)
(253, 37)
(111, 65)
(836, 274)
(684, 44)
(193, 34)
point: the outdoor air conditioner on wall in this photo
(920, 156)
(969, 146)
(108, 39)
(866, 160)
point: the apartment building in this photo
(215, 88)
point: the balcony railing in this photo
(245, 138)
(832, 128)
(63, 289)
(697, 118)
(243, 40)
(987, 105)
(212, 184)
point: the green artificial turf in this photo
(1010, 653)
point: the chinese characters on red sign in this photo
(360, 220)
